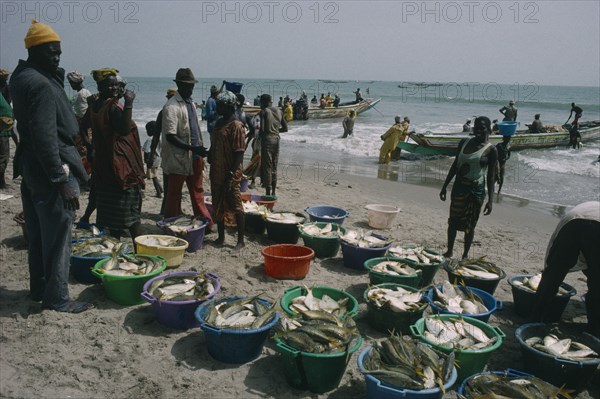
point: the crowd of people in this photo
(92, 139)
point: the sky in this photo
(544, 42)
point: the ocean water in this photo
(314, 148)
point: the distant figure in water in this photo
(474, 167)
(503, 149)
(510, 112)
(578, 112)
(348, 124)
(358, 95)
(467, 126)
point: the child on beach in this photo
(152, 169)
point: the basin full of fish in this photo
(457, 334)
(247, 313)
(395, 268)
(404, 362)
(79, 232)
(363, 239)
(253, 207)
(317, 331)
(477, 268)
(490, 385)
(396, 300)
(531, 284)
(308, 303)
(182, 288)
(562, 347)
(416, 254)
(457, 300)
(285, 218)
(182, 225)
(312, 229)
(99, 247)
(161, 241)
(121, 264)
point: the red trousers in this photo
(194, 184)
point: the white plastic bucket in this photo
(381, 216)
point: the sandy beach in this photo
(117, 351)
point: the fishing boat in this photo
(447, 144)
(328, 112)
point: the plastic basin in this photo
(429, 270)
(376, 277)
(287, 261)
(488, 286)
(173, 255)
(377, 389)
(243, 185)
(194, 236)
(254, 223)
(490, 302)
(284, 233)
(470, 361)
(266, 200)
(575, 374)
(355, 257)
(385, 320)
(81, 267)
(326, 213)
(126, 290)
(178, 314)
(317, 372)
(507, 128)
(381, 216)
(230, 345)
(524, 300)
(324, 247)
(318, 292)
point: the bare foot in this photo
(219, 241)
(447, 254)
(239, 246)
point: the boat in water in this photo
(447, 144)
(328, 112)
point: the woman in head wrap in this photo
(118, 165)
(474, 167)
(226, 155)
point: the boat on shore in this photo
(328, 112)
(447, 144)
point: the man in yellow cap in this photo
(50, 165)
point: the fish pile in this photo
(404, 362)
(395, 268)
(309, 302)
(182, 288)
(318, 331)
(253, 207)
(121, 264)
(457, 334)
(396, 300)
(183, 224)
(565, 348)
(245, 313)
(502, 386)
(285, 218)
(363, 239)
(99, 247)
(416, 254)
(312, 229)
(161, 241)
(532, 283)
(78, 232)
(478, 268)
(455, 300)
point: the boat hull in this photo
(328, 112)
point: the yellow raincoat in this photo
(391, 138)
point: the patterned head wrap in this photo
(226, 98)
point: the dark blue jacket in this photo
(47, 128)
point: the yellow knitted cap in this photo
(40, 33)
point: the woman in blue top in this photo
(474, 166)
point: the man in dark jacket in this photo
(50, 165)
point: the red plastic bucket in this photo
(287, 261)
